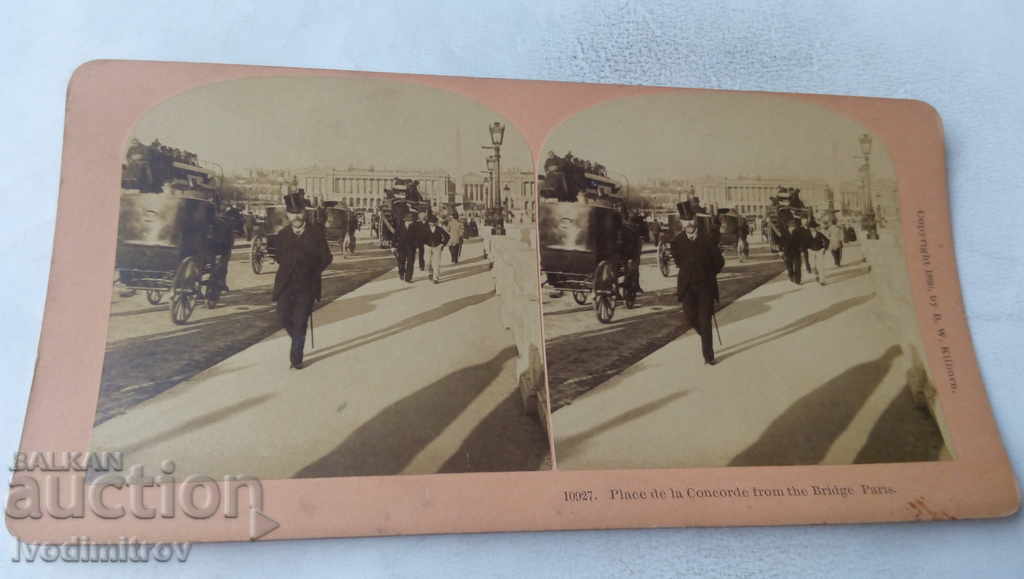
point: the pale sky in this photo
(290, 123)
(695, 134)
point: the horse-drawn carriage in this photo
(171, 244)
(336, 222)
(730, 223)
(401, 199)
(785, 207)
(586, 247)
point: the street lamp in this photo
(869, 209)
(492, 165)
(497, 131)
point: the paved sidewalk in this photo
(806, 376)
(404, 378)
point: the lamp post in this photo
(869, 220)
(508, 204)
(497, 131)
(492, 165)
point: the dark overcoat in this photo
(699, 261)
(301, 260)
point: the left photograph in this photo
(324, 277)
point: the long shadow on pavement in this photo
(507, 439)
(805, 431)
(565, 447)
(795, 326)
(385, 444)
(904, 433)
(409, 323)
(198, 422)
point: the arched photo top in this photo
(369, 127)
(732, 147)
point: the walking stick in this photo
(312, 342)
(714, 318)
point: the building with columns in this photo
(752, 195)
(747, 195)
(364, 188)
(518, 191)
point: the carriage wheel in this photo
(256, 254)
(181, 307)
(154, 297)
(663, 260)
(580, 297)
(606, 288)
(184, 291)
(604, 307)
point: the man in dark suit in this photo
(302, 255)
(631, 244)
(420, 233)
(699, 262)
(406, 241)
(805, 233)
(795, 242)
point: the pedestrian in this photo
(302, 255)
(818, 245)
(457, 231)
(699, 261)
(420, 228)
(487, 236)
(836, 237)
(435, 239)
(353, 225)
(793, 242)
(742, 233)
(804, 221)
(407, 239)
(222, 241)
(631, 247)
(249, 225)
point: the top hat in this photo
(686, 212)
(294, 202)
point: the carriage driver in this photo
(302, 255)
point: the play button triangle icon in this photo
(260, 525)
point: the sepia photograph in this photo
(724, 284)
(315, 277)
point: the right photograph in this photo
(724, 284)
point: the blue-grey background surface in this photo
(962, 57)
